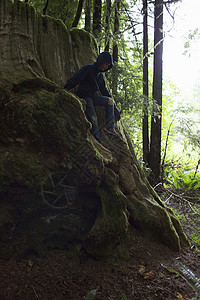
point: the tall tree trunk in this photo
(88, 15)
(116, 32)
(145, 129)
(107, 26)
(155, 148)
(97, 8)
(115, 50)
(78, 13)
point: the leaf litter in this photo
(153, 272)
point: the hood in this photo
(104, 57)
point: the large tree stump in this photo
(59, 188)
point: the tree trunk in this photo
(97, 7)
(116, 33)
(59, 188)
(107, 25)
(96, 28)
(45, 7)
(155, 147)
(88, 8)
(145, 129)
(78, 13)
(115, 51)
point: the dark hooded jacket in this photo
(89, 79)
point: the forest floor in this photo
(153, 272)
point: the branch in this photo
(166, 2)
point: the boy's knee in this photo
(94, 118)
(111, 101)
(89, 101)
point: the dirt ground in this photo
(153, 272)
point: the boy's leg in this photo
(108, 103)
(92, 117)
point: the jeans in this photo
(92, 117)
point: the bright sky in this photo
(183, 71)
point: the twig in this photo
(157, 185)
(168, 198)
(35, 292)
(178, 196)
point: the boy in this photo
(90, 79)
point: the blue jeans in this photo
(92, 117)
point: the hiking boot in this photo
(111, 130)
(104, 147)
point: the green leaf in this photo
(173, 272)
(90, 295)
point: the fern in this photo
(195, 240)
(195, 282)
(182, 177)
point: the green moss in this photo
(113, 204)
(84, 54)
(111, 228)
(44, 117)
(122, 250)
(4, 94)
(20, 168)
(5, 213)
(34, 84)
(81, 36)
(154, 223)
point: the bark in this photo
(45, 7)
(88, 9)
(59, 188)
(107, 25)
(155, 147)
(165, 153)
(97, 8)
(145, 129)
(78, 13)
(115, 51)
(116, 33)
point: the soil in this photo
(153, 272)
